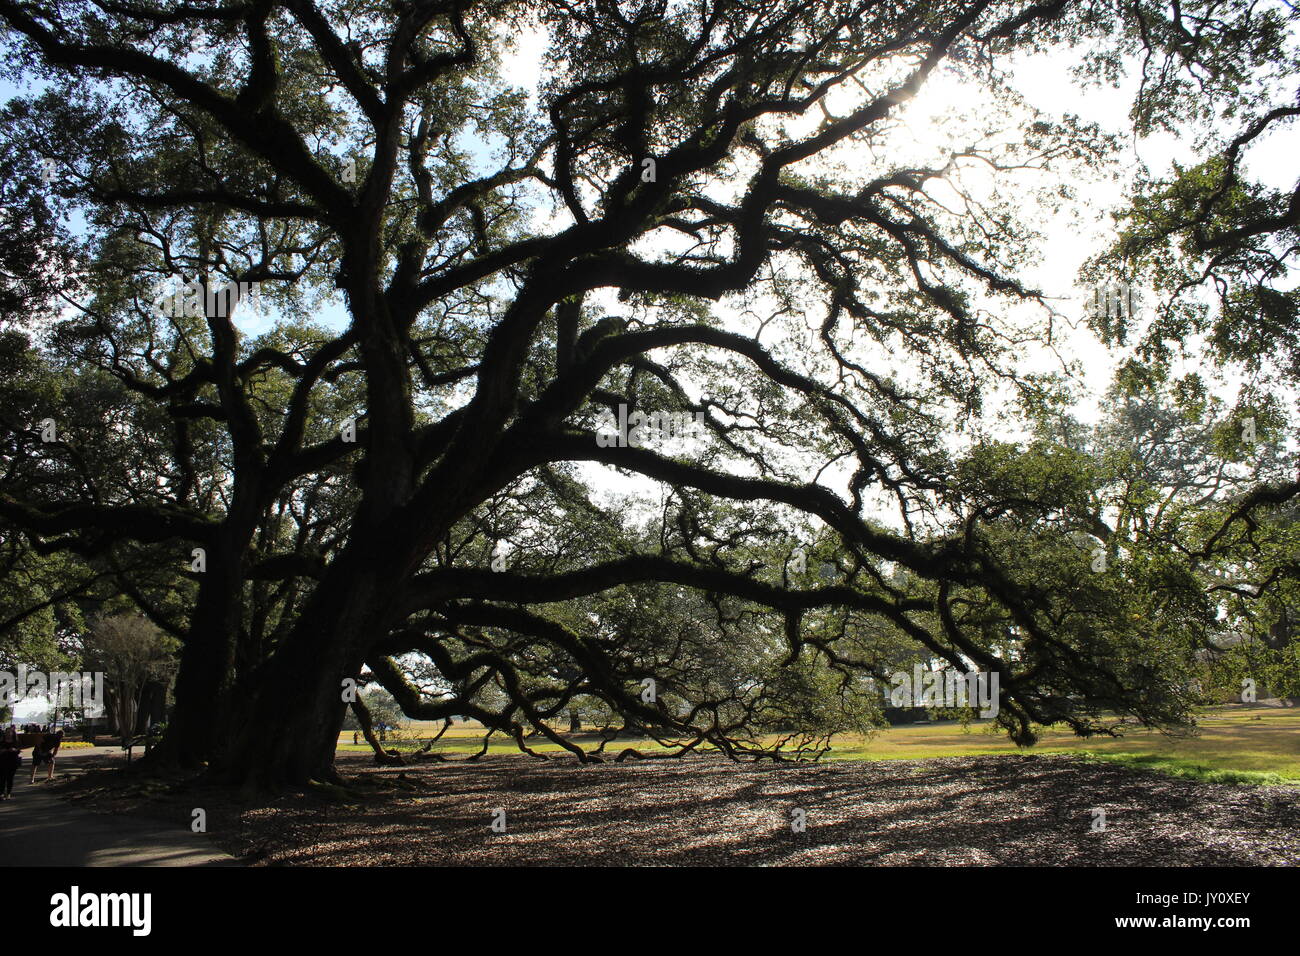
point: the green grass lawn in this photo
(1236, 741)
(1235, 744)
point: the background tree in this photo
(1217, 250)
(132, 653)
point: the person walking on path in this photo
(10, 757)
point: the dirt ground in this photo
(1024, 810)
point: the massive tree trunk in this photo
(202, 714)
(287, 737)
(290, 736)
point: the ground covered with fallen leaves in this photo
(1023, 810)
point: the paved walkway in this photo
(38, 828)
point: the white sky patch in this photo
(521, 63)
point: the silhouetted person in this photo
(10, 758)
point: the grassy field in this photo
(1232, 744)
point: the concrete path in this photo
(37, 828)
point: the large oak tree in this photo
(695, 212)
